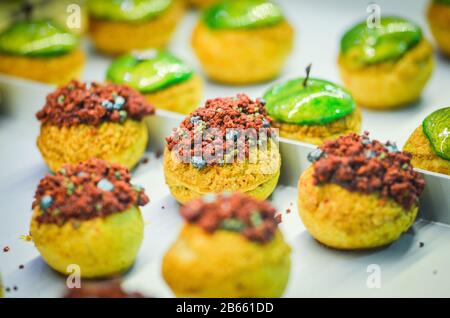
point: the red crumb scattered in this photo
(236, 212)
(85, 191)
(78, 103)
(101, 290)
(213, 120)
(360, 164)
(6, 249)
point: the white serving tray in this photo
(406, 269)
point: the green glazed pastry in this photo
(316, 103)
(128, 11)
(148, 71)
(36, 39)
(242, 14)
(390, 41)
(436, 128)
(312, 110)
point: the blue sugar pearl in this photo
(266, 124)
(107, 104)
(119, 101)
(46, 202)
(123, 115)
(315, 155)
(105, 185)
(198, 162)
(195, 119)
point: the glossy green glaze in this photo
(319, 103)
(390, 41)
(128, 10)
(36, 38)
(242, 14)
(436, 128)
(148, 71)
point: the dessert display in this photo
(230, 246)
(90, 120)
(40, 50)
(388, 66)
(88, 214)
(162, 78)
(429, 144)
(242, 42)
(107, 289)
(358, 193)
(439, 20)
(226, 145)
(312, 110)
(119, 26)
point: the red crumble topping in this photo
(219, 121)
(101, 290)
(85, 191)
(80, 103)
(237, 212)
(360, 164)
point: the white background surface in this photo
(407, 270)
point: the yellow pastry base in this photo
(182, 98)
(100, 247)
(439, 20)
(317, 134)
(389, 85)
(120, 143)
(256, 179)
(240, 57)
(423, 155)
(115, 38)
(54, 70)
(348, 220)
(225, 264)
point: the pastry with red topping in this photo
(358, 193)
(230, 246)
(226, 145)
(91, 120)
(88, 215)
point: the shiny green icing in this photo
(148, 71)
(319, 103)
(436, 128)
(37, 39)
(390, 41)
(128, 10)
(242, 14)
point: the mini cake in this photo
(242, 42)
(359, 193)
(388, 66)
(81, 121)
(88, 214)
(439, 20)
(119, 26)
(40, 51)
(312, 110)
(430, 143)
(162, 78)
(229, 247)
(226, 145)
(108, 289)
